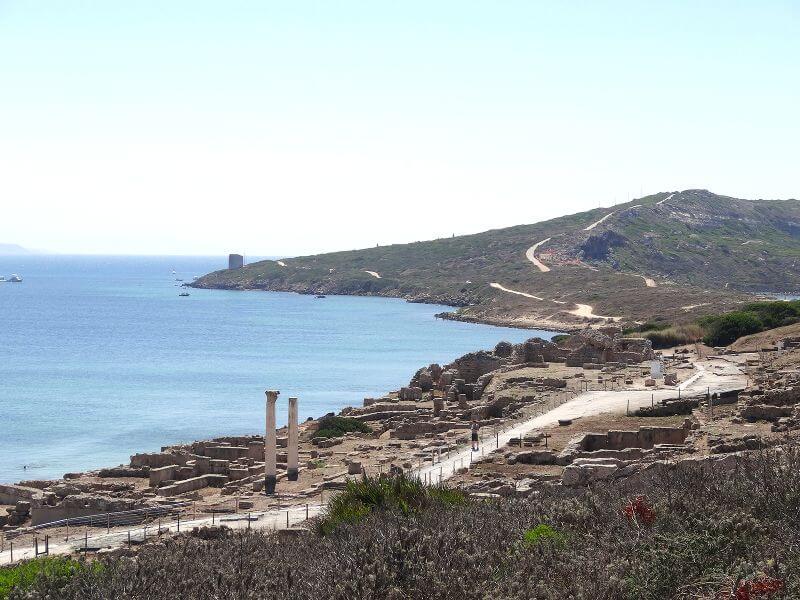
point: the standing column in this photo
(270, 444)
(291, 454)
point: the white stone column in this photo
(291, 454)
(270, 444)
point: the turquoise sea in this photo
(100, 358)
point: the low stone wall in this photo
(159, 459)
(645, 437)
(48, 514)
(226, 452)
(162, 474)
(11, 494)
(190, 485)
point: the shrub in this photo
(337, 426)
(724, 329)
(675, 336)
(543, 534)
(23, 576)
(717, 533)
(384, 493)
(729, 327)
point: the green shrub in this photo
(398, 493)
(724, 329)
(560, 338)
(543, 534)
(330, 427)
(24, 575)
(729, 327)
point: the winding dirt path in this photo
(530, 254)
(587, 311)
(497, 286)
(647, 281)
(375, 274)
(660, 202)
(596, 223)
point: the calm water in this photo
(100, 358)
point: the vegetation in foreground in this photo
(399, 493)
(689, 534)
(56, 570)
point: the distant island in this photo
(667, 258)
(14, 250)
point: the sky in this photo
(288, 128)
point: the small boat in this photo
(15, 278)
(320, 296)
(2, 279)
(178, 279)
(183, 294)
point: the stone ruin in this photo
(461, 385)
(775, 397)
(47, 501)
(467, 374)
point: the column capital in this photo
(272, 395)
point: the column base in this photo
(291, 474)
(269, 484)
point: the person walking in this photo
(475, 428)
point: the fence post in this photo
(66, 540)
(108, 522)
(85, 540)
(306, 511)
(36, 546)
(47, 545)
(287, 518)
(179, 523)
(12, 551)
(248, 521)
(129, 538)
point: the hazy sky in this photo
(279, 128)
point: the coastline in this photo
(531, 322)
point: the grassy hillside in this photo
(700, 251)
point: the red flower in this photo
(762, 587)
(639, 510)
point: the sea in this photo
(100, 357)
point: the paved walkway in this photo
(715, 375)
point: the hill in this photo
(13, 250)
(670, 257)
